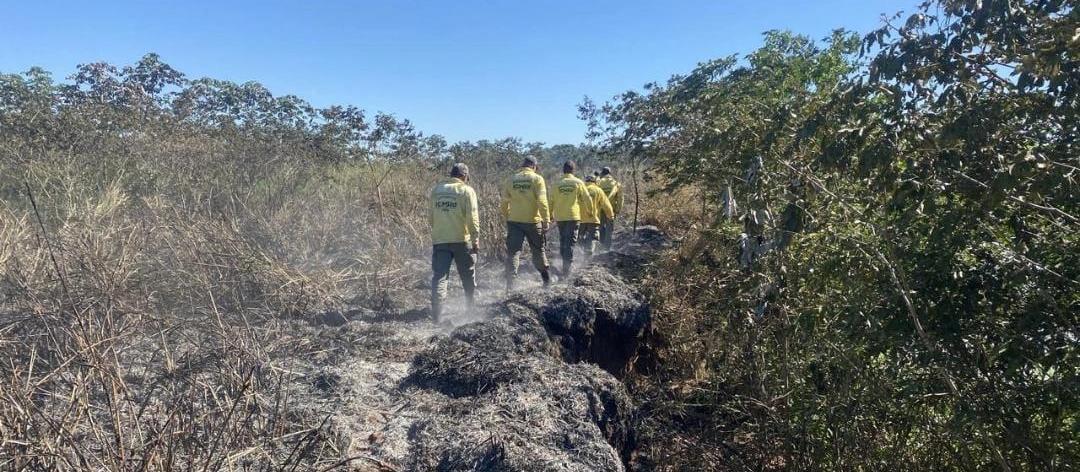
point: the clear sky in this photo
(466, 69)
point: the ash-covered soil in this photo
(526, 381)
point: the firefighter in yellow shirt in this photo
(455, 236)
(614, 193)
(590, 220)
(525, 207)
(569, 200)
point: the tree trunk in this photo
(637, 195)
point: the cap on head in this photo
(605, 171)
(459, 170)
(529, 161)
(568, 167)
(590, 178)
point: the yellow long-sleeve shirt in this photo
(524, 198)
(454, 213)
(614, 192)
(600, 205)
(568, 197)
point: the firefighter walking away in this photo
(525, 207)
(455, 236)
(592, 215)
(614, 194)
(569, 200)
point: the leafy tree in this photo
(27, 105)
(897, 279)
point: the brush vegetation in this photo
(886, 271)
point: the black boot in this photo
(436, 312)
(544, 274)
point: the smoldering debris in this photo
(532, 384)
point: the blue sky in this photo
(467, 69)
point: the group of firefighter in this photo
(583, 210)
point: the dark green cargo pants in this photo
(516, 236)
(588, 235)
(567, 240)
(607, 227)
(441, 257)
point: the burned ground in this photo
(525, 381)
(532, 384)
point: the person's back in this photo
(613, 191)
(453, 215)
(600, 208)
(568, 197)
(525, 197)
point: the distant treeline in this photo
(102, 108)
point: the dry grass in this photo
(139, 336)
(147, 331)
